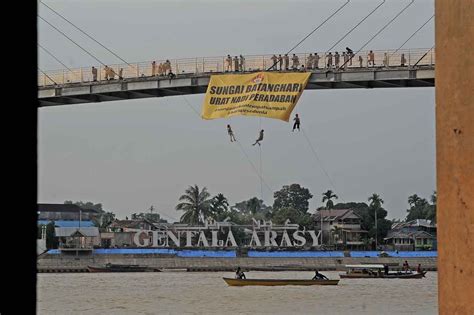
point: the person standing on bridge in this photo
(286, 58)
(121, 74)
(236, 64)
(106, 72)
(350, 55)
(336, 59)
(280, 61)
(361, 60)
(274, 62)
(260, 138)
(242, 63)
(296, 62)
(228, 63)
(231, 134)
(403, 60)
(168, 66)
(153, 68)
(309, 61)
(94, 74)
(316, 61)
(385, 60)
(329, 60)
(297, 123)
(371, 59)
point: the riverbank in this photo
(71, 263)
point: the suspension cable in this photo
(85, 50)
(378, 32)
(83, 32)
(314, 30)
(412, 35)
(360, 22)
(49, 53)
(47, 75)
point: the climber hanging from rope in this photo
(260, 138)
(231, 134)
(297, 123)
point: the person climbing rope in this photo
(297, 123)
(260, 138)
(231, 134)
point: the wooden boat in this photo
(120, 268)
(275, 282)
(377, 272)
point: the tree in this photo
(328, 195)
(219, 207)
(292, 196)
(51, 239)
(86, 205)
(253, 206)
(195, 203)
(419, 208)
(431, 215)
(375, 201)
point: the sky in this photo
(129, 155)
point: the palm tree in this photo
(375, 201)
(218, 206)
(413, 200)
(253, 205)
(195, 203)
(328, 195)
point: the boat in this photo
(120, 268)
(377, 271)
(274, 282)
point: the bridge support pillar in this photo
(455, 155)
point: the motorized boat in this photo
(275, 282)
(378, 271)
(120, 268)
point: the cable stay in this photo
(83, 32)
(379, 31)
(412, 35)
(314, 30)
(59, 31)
(47, 76)
(49, 53)
(352, 29)
(426, 53)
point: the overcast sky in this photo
(129, 155)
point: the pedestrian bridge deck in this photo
(191, 76)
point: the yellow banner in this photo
(264, 94)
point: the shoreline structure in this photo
(205, 260)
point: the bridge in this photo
(401, 68)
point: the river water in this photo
(207, 293)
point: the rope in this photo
(314, 30)
(412, 35)
(47, 75)
(72, 41)
(380, 31)
(350, 31)
(321, 164)
(243, 151)
(256, 171)
(83, 32)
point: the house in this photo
(341, 228)
(75, 239)
(65, 215)
(419, 234)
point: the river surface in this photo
(207, 293)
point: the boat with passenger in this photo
(278, 282)
(378, 271)
(120, 268)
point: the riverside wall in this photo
(72, 263)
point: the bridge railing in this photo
(199, 65)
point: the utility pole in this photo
(375, 228)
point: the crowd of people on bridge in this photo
(338, 61)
